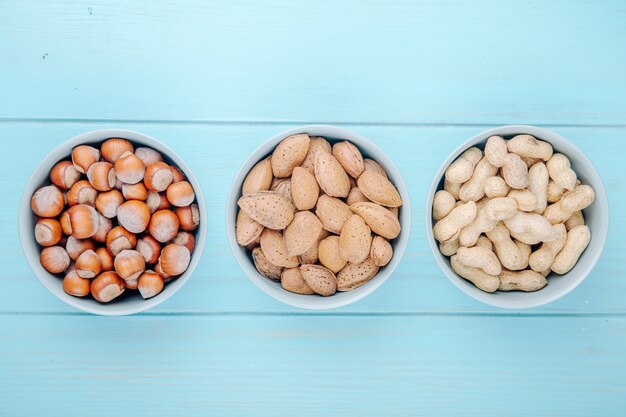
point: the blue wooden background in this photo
(213, 80)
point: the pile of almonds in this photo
(318, 218)
(511, 215)
(109, 214)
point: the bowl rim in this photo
(491, 298)
(312, 302)
(26, 237)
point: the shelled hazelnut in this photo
(109, 212)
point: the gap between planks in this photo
(12, 120)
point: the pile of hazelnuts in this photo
(115, 218)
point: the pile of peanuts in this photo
(318, 217)
(510, 216)
(109, 213)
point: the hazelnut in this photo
(108, 202)
(189, 217)
(74, 285)
(159, 270)
(104, 227)
(150, 284)
(54, 259)
(48, 232)
(107, 286)
(134, 215)
(88, 264)
(75, 247)
(129, 169)
(174, 259)
(148, 155)
(149, 248)
(47, 201)
(180, 194)
(157, 201)
(185, 239)
(163, 225)
(83, 221)
(119, 239)
(101, 176)
(158, 176)
(113, 148)
(83, 156)
(135, 191)
(177, 174)
(129, 264)
(106, 260)
(64, 175)
(82, 193)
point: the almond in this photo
(332, 212)
(318, 144)
(289, 154)
(381, 251)
(265, 267)
(378, 189)
(302, 233)
(349, 157)
(246, 229)
(355, 240)
(311, 255)
(275, 249)
(356, 274)
(259, 178)
(271, 209)
(382, 221)
(328, 252)
(373, 166)
(304, 189)
(291, 280)
(331, 176)
(282, 186)
(319, 279)
(356, 196)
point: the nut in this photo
(134, 216)
(113, 148)
(331, 176)
(289, 153)
(119, 239)
(54, 259)
(158, 176)
(180, 194)
(106, 260)
(259, 178)
(270, 209)
(275, 249)
(148, 156)
(379, 189)
(108, 202)
(83, 156)
(101, 176)
(74, 285)
(129, 168)
(354, 275)
(302, 233)
(174, 259)
(64, 175)
(107, 286)
(75, 247)
(578, 239)
(382, 221)
(129, 265)
(526, 280)
(478, 277)
(462, 168)
(319, 279)
(135, 191)
(149, 248)
(292, 281)
(304, 189)
(82, 193)
(332, 212)
(355, 240)
(48, 232)
(328, 252)
(163, 225)
(88, 264)
(47, 201)
(349, 157)
(150, 284)
(381, 252)
(264, 266)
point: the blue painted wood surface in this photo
(213, 80)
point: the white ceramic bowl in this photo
(244, 258)
(596, 217)
(126, 304)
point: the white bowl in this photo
(126, 304)
(244, 258)
(596, 217)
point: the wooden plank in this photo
(215, 151)
(559, 62)
(309, 366)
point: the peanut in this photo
(443, 203)
(554, 192)
(539, 178)
(512, 255)
(542, 258)
(462, 168)
(577, 240)
(576, 219)
(478, 277)
(526, 280)
(474, 189)
(515, 172)
(481, 258)
(526, 200)
(560, 171)
(577, 199)
(496, 187)
(496, 150)
(489, 213)
(530, 228)
(456, 220)
(529, 147)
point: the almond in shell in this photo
(356, 196)
(289, 153)
(379, 189)
(356, 274)
(328, 252)
(349, 157)
(282, 186)
(319, 279)
(318, 144)
(311, 255)
(373, 166)
(381, 252)
(246, 229)
(331, 176)
(332, 212)
(259, 178)
(382, 221)
(302, 233)
(275, 249)
(355, 240)
(292, 281)
(265, 267)
(268, 208)
(304, 189)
